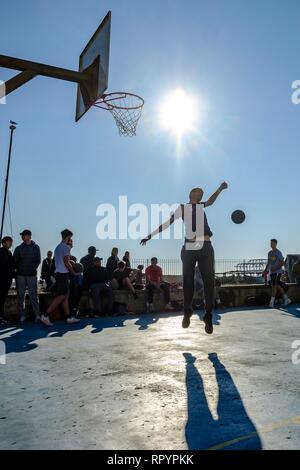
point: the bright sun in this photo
(178, 113)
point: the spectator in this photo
(27, 257)
(138, 278)
(97, 280)
(63, 268)
(112, 262)
(88, 260)
(274, 268)
(46, 272)
(126, 259)
(296, 271)
(76, 287)
(154, 282)
(122, 278)
(7, 271)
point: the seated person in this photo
(138, 277)
(97, 278)
(296, 272)
(154, 282)
(122, 278)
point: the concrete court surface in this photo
(142, 382)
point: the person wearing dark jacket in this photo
(7, 271)
(97, 278)
(126, 259)
(88, 260)
(27, 257)
(46, 272)
(112, 262)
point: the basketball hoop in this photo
(126, 109)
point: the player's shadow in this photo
(233, 429)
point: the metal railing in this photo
(223, 267)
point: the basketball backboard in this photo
(94, 57)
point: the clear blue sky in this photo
(239, 56)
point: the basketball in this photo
(238, 217)
(78, 267)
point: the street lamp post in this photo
(12, 129)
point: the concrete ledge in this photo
(240, 294)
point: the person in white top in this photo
(197, 248)
(63, 268)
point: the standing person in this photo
(75, 287)
(88, 260)
(274, 268)
(88, 263)
(46, 272)
(7, 271)
(154, 282)
(296, 271)
(197, 247)
(27, 257)
(63, 268)
(97, 281)
(126, 259)
(112, 262)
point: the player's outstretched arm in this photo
(160, 229)
(214, 196)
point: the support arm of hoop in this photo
(29, 70)
(15, 82)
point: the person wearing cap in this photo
(63, 268)
(27, 258)
(7, 271)
(97, 279)
(88, 263)
(88, 260)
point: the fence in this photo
(223, 267)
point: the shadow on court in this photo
(23, 338)
(233, 429)
(291, 310)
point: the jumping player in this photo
(197, 248)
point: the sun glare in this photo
(178, 113)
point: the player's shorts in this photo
(62, 283)
(275, 279)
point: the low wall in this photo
(240, 294)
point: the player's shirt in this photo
(275, 259)
(195, 224)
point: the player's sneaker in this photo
(271, 304)
(186, 321)
(72, 320)
(286, 302)
(46, 320)
(169, 307)
(208, 323)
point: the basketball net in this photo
(126, 109)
